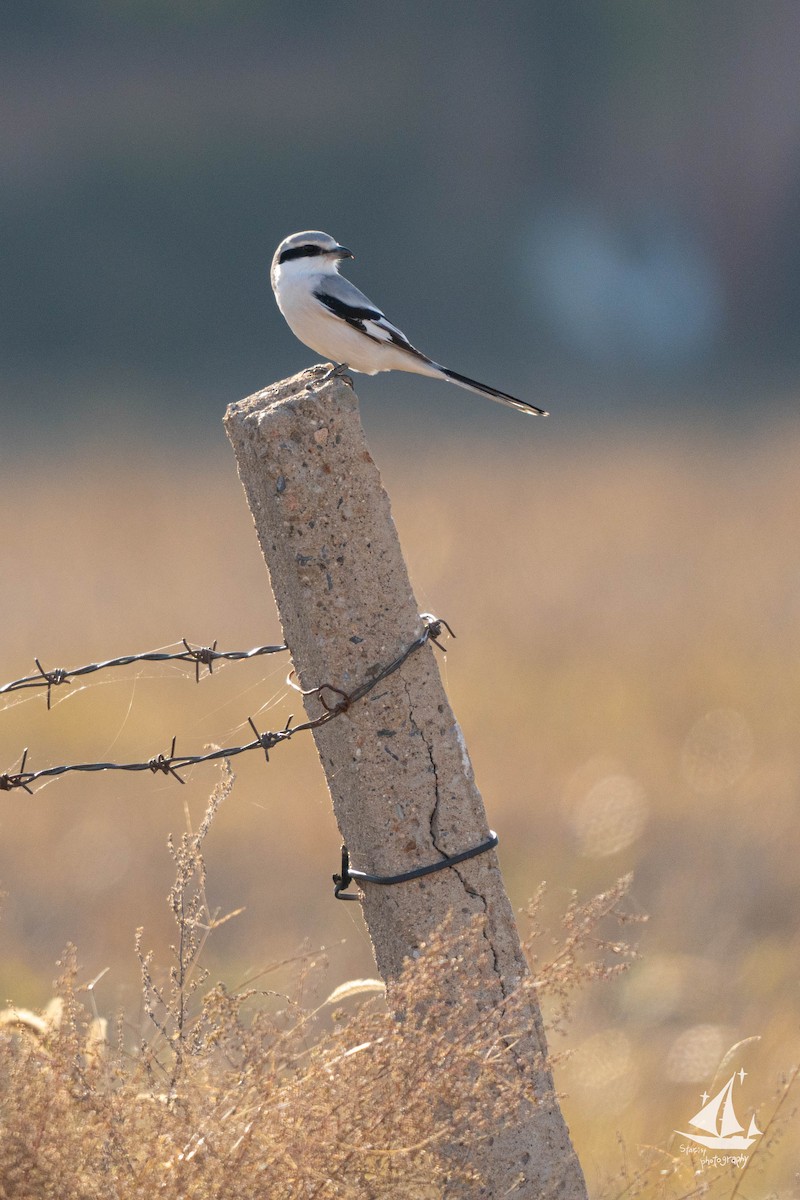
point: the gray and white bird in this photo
(329, 314)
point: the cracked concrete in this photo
(399, 774)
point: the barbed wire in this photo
(204, 656)
(172, 763)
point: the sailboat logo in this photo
(721, 1128)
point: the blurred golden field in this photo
(626, 673)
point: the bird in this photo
(330, 315)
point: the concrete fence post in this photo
(397, 767)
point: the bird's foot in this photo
(335, 371)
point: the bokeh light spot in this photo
(717, 751)
(610, 817)
(696, 1053)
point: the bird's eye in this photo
(300, 252)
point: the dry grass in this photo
(251, 1092)
(628, 683)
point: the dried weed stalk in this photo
(582, 952)
(168, 1008)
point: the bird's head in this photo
(308, 252)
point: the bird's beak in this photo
(343, 252)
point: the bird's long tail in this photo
(484, 390)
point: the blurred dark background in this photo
(579, 202)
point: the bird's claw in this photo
(335, 371)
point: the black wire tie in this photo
(348, 874)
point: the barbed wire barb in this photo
(202, 655)
(163, 762)
(50, 678)
(172, 763)
(267, 741)
(16, 779)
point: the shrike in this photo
(330, 314)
